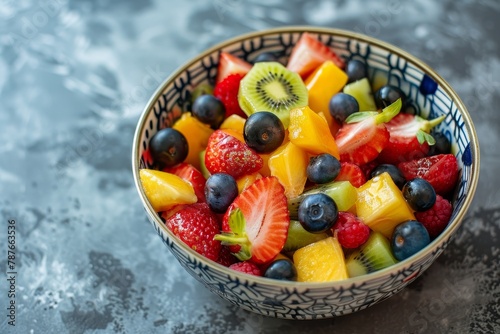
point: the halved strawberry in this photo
(229, 64)
(364, 135)
(409, 138)
(309, 53)
(352, 173)
(189, 173)
(227, 154)
(256, 223)
(441, 171)
(227, 91)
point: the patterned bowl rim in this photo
(397, 268)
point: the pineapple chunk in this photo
(165, 190)
(289, 164)
(310, 131)
(381, 205)
(322, 261)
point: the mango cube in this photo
(164, 190)
(234, 122)
(196, 134)
(311, 132)
(327, 80)
(289, 164)
(322, 261)
(381, 205)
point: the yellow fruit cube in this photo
(246, 180)
(326, 81)
(310, 131)
(289, 164)
(196, 134)
(234, 122)
(381, 205)
(165, 190)
(322, 261)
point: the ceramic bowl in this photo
(430, 96)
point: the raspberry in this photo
(436, 218)
(226, 258)
(246, 267)
(350, 230)
(227, 92)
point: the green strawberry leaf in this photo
(389, 112)
(385, 116)
(237, 236)
(424, 137)
(360, 116)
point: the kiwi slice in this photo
(298, 237)
(373, 255)
(342, 192)
(269, 86)
(362, 92)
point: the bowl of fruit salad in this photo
(305, 173)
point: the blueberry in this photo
(317, 213)
(356, 70)
(388, 94)
(220, 191)
(442, 145)
(408, 238)
(168, 147)
(266, 56)
(419, 194)
(342, 105)
(393, 171)
(281, 269)
(209, 110)
(323, 168)
(263, 131)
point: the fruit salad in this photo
(301, 171)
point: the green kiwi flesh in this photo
(298, 237)
(373, 255)
(269, 86)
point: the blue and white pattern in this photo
(429, 96)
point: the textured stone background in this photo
(74, 77)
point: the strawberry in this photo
(196, 225)
(148, 159)
(436, 218)
(441, 171)
(229, 64)
(227, 91)
(352, 173)
(256, 223)
(189, 173)
(309, 53)
(247, 267)
(226, 154)
(364, 135)
(409, 138)
(351, 232)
